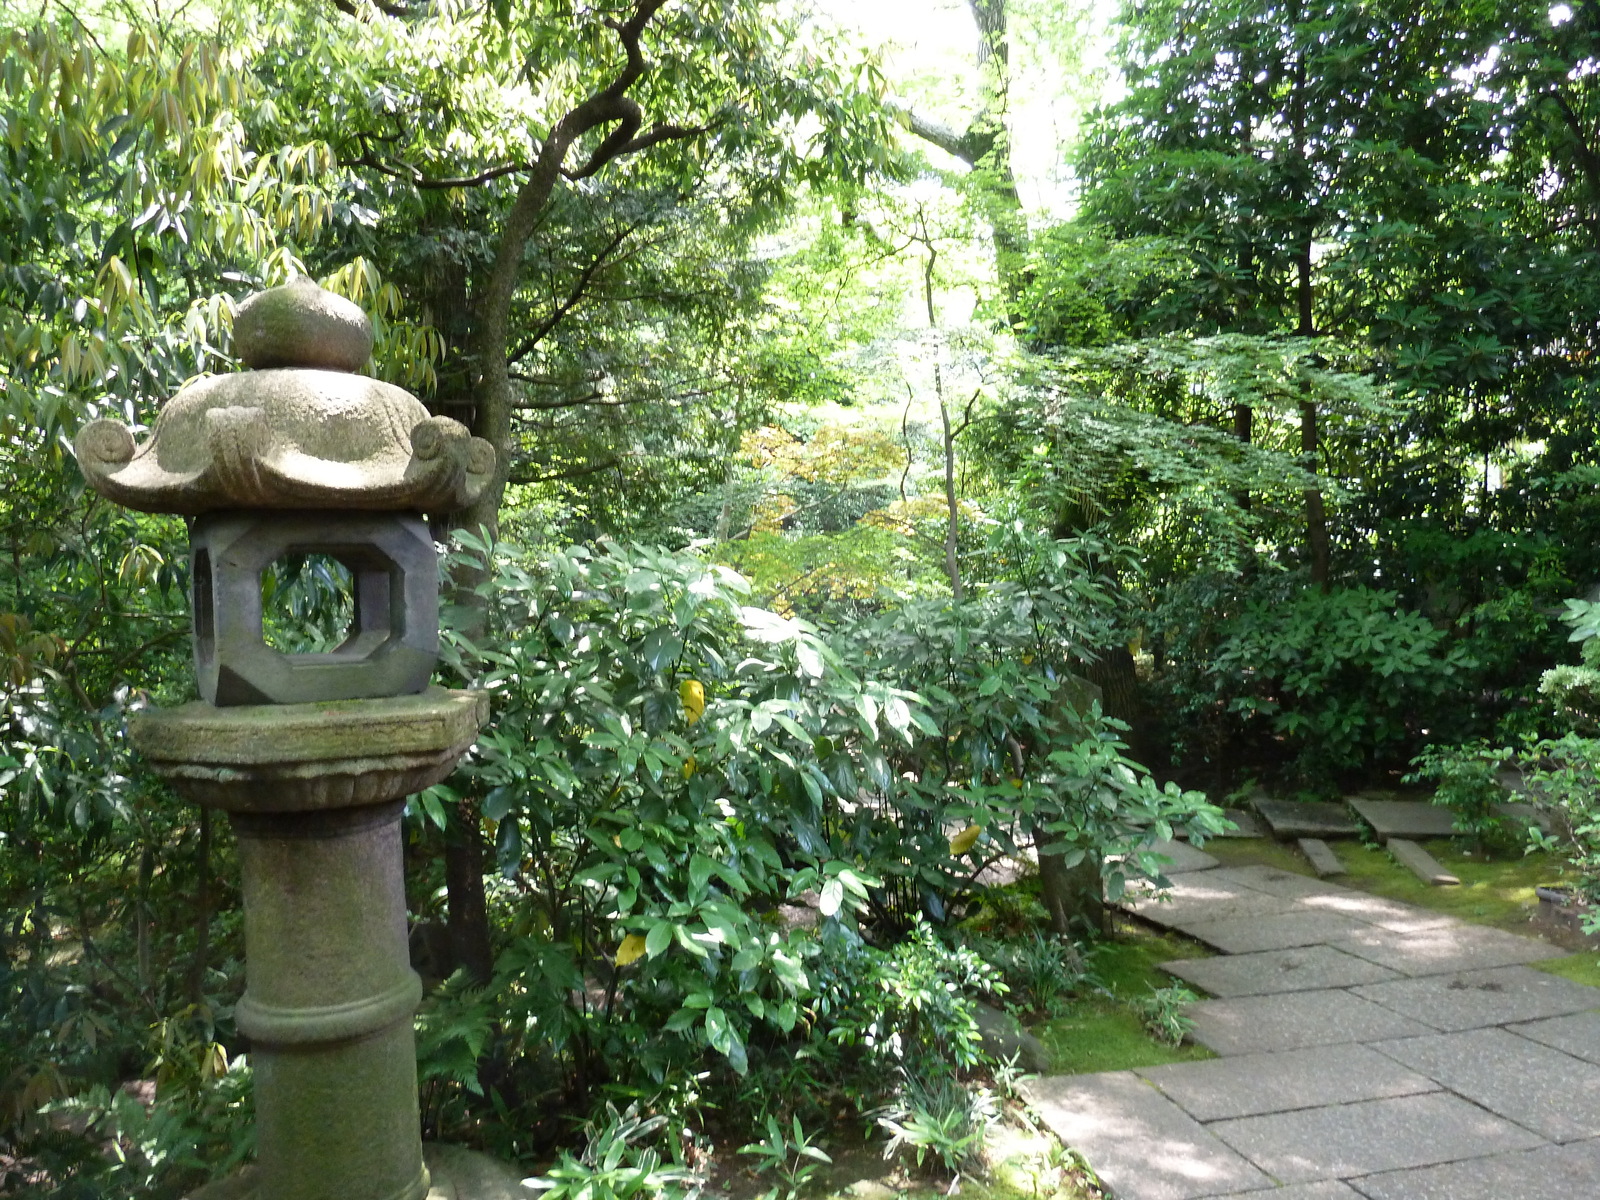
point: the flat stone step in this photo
(1545, 1173)
(1404, 818)
(1419, 862)
(1299, 969)
(1250, 1085)
(1142, 1145)
(1183, 857)
(1339, 1141)
(1295, 1020)
(1321, 857)
(1306, 818)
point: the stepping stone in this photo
(1404, 818)
(1473, 999)
(1249, 1085)
(1306, 818)
(1140, 1144)
(1321, 857)
(1343, 1140)
(1578, 1035)
(1294, 1020)
(1200, 896)
(1375, 910)
(1183, 858)
(1275, 881)
(1444, 948)
(1553, 1094)
(1331, 1190)
(1248, 825)
(1528, 814)
(1420, 863)
(1306, 969)
(1549, 1173)
(1244, 935)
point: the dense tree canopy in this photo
(857, 528)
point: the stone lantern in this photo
(313, 755)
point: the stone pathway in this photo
(1370, 1050)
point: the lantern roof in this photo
(299, 430)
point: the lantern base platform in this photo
(276, 758)
(457, 1174)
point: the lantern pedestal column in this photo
(315, 793)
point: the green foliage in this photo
(788, 1155)
(910, 1006)
(1040, 971)
(1468, 784)
(1338, 676)
(615, 1166)
(936, 1120)
(1161, 1010)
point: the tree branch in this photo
(970, 147)
(411, 175)
(571, 473)
(575, 295)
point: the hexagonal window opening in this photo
(334, 602)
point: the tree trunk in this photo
(469, 911)
(202, 913)
(1074, 897)
(1316, 514)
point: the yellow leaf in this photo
(965, 840)
(688, 767)
(632, 949)
(693, 694)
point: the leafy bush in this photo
(935, 1118)
(1336, 677)
(615, 1165)
(910, 1006)
(1468, 785)
(1040, 971)
(1563, 775)
(1162, 1013)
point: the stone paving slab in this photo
(1200, 897)
(1302, 969)
(1577, 1035)
(1142, 1145)
(1245, 935)
(1404, 818)
(1298, 818)
(1322, 858)
(1250, 1085)
(1249, 825)
(1473, 999)
(1275, 881)
(1375, 910)
(1445, 948)
(1304, 1191)
(1184, 857)
(1551, 1093)
(1569, 1172)
(1420, 863)
(1345, 1140)
(1294, 1020)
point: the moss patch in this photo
(1100, 1035)
(1097, 1032)
(1580, 968)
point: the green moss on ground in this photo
(1580, 968)
(1097, 1032)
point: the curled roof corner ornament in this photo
(299, 430)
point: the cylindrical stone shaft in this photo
(328, 1005)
